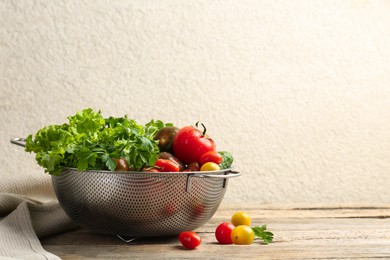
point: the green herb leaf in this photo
(109, 162)
(227, 159)
(85, 158)
(262, 233)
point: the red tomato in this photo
(223, 233)
(212, 156)
(167, 165)
(190, 144)
(189, 239)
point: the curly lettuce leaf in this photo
(89, 141)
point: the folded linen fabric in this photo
(29, 210)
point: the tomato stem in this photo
(204, 128)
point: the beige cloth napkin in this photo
(29, 210)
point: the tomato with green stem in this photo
(190, 144)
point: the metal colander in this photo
(140, 204)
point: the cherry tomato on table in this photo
(241, 218)
(189, 239)
(242, 235)
(190, 144)
(223, 233)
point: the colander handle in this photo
(19, 141)
(227, 174)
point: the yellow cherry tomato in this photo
(210, 166)
(242, 235)
(241, 218)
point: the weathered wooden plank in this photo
(214, 251)
(288, 230)
(301, 232)
(274, 211)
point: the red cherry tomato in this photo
(167, 165)
(189, 239)
(223, 233)
(212, 156)
(190, 144)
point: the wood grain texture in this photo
(307, 231)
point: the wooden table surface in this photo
(319, 231)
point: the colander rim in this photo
(216, 172)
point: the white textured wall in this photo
(298, 91)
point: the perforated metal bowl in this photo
(139, 204)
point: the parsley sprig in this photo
(262, 233)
